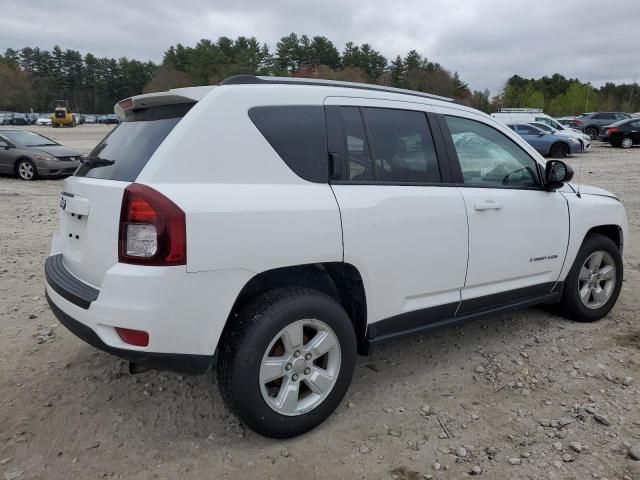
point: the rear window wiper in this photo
(92, 162)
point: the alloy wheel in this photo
(26, 170)
(596, 280)
(626, 142)
(300, 367)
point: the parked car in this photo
(44, 119)
(111, 119)
(29, 155)
(301, 241)
(528, 115)
(625, 133)
(585, 140)
(7, 118)
(590, 123)
(90, 119)
(548, 144)
(102, 118)
(566, 121)
(19, 119)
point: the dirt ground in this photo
(481, 395)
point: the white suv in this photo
(279, 227)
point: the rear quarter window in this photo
(298, 135)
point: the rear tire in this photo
(26, 170)
(626, 142)
(583, 288)
(559, 150)
(273, 372)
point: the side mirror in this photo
(556, 174)
(542, 133)
(4, 144)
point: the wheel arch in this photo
(614, 232)
(341, 281)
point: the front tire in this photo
(559, 150)
(593, 284)
(286, 361)
(26, 170)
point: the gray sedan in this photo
(29, 155)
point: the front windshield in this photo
(26, 138)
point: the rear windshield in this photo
(132, 143)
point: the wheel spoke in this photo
(596, 260)
(585, 293)
(599, 295)
(607, 272)
(288, 396)
(584, 273)
(319, 381)
(292, 337)
(320, 344)
(272, 368)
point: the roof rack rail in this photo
(253, 79)
(520, 110)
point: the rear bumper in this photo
(180, 363)
(183, 313)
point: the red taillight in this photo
(152, 229)
(133, 337)
(612, 130)
(576, 122)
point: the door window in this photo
(527, 130)
(488, 158)
(401, 146)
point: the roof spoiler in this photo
(170, 97)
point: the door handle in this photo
(487, 205)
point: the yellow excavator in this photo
(62, 116)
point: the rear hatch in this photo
(91, 199)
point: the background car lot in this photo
(69, 411)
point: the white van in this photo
(528, 115)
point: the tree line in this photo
(32, 78)
(559, 95)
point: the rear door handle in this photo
(487, 205)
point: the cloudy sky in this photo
(486, 41)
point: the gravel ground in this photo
(521, 395)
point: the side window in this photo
(360, 166)
(635, 124)
(489, 158)
(298, 134)
(527, 130)
(401, 146)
